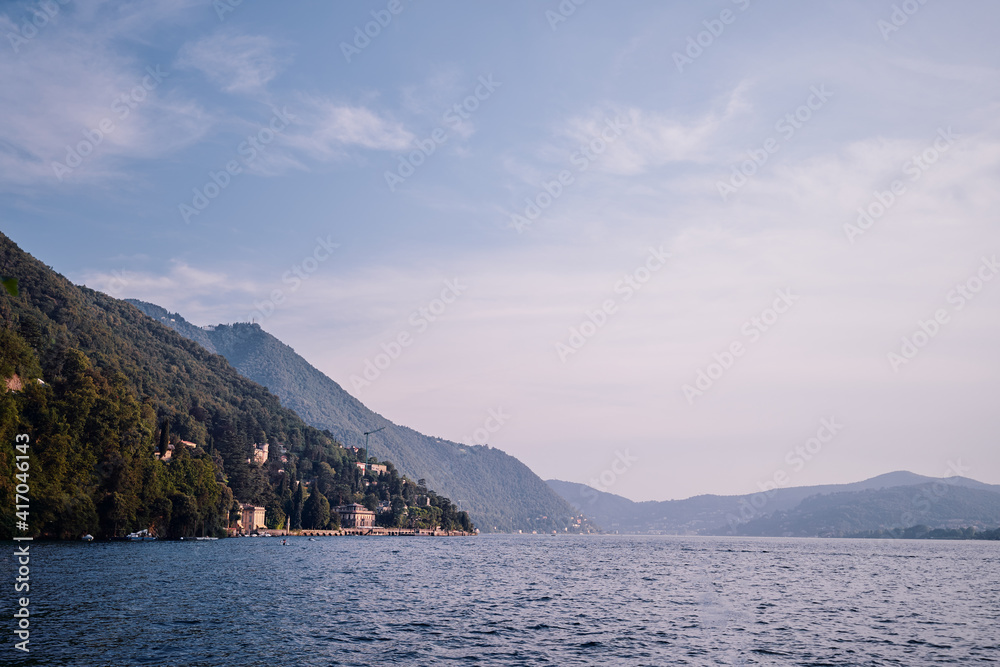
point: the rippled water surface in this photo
(514, 600)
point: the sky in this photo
(664, 249)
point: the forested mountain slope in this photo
(499, 492)
(99, 388)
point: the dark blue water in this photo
(513, 600)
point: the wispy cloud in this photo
(329, 128)
(200, 294)
(72, 102)
(237, 63)
(648, 138)
(64, 87)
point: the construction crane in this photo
(368, 433)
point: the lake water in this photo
(513, 600)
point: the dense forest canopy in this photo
(101, 390)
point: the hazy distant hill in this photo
(871, 510)
(498, 491)
(806, 510)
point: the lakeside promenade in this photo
(377, 530)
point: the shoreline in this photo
(374, 531)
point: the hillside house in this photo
(260, 453)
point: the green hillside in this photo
(99, 388)
(499, 492)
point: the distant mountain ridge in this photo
(946, 505)
(896, 499)
(499, 491)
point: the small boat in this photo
(141, 536)
(312, 539)
(87, 538)
(206, 539)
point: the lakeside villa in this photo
(251, 518)
(356, 516)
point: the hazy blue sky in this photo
(675, 182)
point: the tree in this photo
(122, 511)
(298, 500)
(79, 516)
(164, 436)
(234, 514)
(370, 501)
(326, 477)
(398, 511)
(160, 514)
(274, 516)
(184, 515)
(316, 511)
